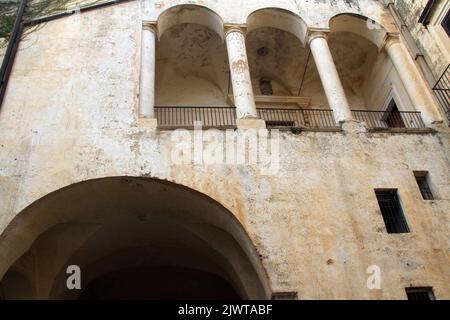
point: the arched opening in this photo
(370, 81)
(284, 75)
(191, 58)
(132, 238)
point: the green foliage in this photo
(41, 8)
(35, 9)
(8, 11)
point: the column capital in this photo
(229, 28)
(314, 33)
(150, 26)
(390, 39)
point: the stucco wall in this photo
(70, 114)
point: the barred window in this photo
(391, 210)
(422, 178)
(420, 293)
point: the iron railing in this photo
(225, 117)
(185, 117)
(442, 91)
(282, 117)
(217, 117)
(390, 119)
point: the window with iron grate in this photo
(422, 178)
(291, 295)
(391, 210)
(420, 293)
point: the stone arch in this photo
(361, 25)
(286, 64)
(190, 13)
(279, 19)
(356, 42)
(111, 224)
(191, 58)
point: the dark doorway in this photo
(163, 283)
(393, 117)
(139, 238)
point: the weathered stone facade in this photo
(71, 118)
(431, 40)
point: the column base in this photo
(250, 123)
(151, 123)
(353, 126)
(440, 126)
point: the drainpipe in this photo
(11, 50)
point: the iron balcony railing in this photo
(295, 118)
(390, 119)
(185, 117)
(225, 117)
(442, 91)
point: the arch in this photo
(279, 19)
(103, 222)
(190, 13)
(360, 25)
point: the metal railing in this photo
(442, 91)
(283, 117)
(185, 117)
(390, 119)
(225, 117)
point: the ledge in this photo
(169, 128)
(150, 123)
(298, 129)
(308, 129)
(401, 130)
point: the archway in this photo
(284, 75)
(367, 74)
(191, 58)
(137, 238)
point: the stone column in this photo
(329, 77)
(147, 77)
(240, 79)
(415, 86)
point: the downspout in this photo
(11, 50)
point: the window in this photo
(284, 295)
(392, 212)
(426, 13)
(422, 181)
(446, 23)
(420, 293)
